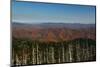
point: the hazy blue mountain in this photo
(54, 25)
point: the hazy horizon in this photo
(50, 23)
(34, 12)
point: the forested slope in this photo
(27, 51)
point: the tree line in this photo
(27, 51)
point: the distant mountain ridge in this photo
(53, 25)
(53, 31)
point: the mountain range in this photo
(53, 31)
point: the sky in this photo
(35, 12)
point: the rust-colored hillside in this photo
(53, 32)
